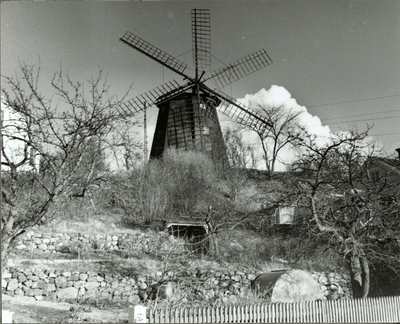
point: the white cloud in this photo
(278, 96)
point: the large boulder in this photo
(288, 286)
(67, 293)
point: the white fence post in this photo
(6, 316)
(137, 314)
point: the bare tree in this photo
(358, 216)
(240, 154)
(123, 145)
(285, 131)
(66, 132)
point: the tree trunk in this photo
(360, 280)
(213, 239)
(5, 252)
(366, 277)
(8, 243)
(214, 245)
(10, 236)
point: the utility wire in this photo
(345, 102)
(384, 134)
(360, 120)
(377, 113)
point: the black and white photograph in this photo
(200, 161)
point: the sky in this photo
(336, 59)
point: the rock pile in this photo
(334, 285)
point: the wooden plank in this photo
(384, 307)
(289, 312)
(371, 312)
(374, 311)
(156, 315)
(381, 315)
(334, 307)
(185, 315)
(328, 311)
(357, 310)
(363, 311)
(181, 320)
(305, 317)
(263, 314)
(159, 316)
(342, 310)
(349, 310)
(300, 312)
(389, 307)
(397, 308)
(280, 307)
(199, 313)
(270, 312)
(392, 309)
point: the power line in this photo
(377, 113)
(360, 120)
(384, 134)
(345, 102)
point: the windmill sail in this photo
(242, 114)
(201, 38)
(241, 68)
(159, 94)
(153, 52)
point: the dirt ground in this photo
(28, 310)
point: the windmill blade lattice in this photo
(201, 38)
(157, 95)
(242, 114)
(155, 53)
(241, 68)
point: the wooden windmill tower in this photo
(187, 116)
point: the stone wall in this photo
(47, 284)
(334, 285)
(59, 242)
(55, 285)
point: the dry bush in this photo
(177, 184)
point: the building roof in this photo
(393, 164)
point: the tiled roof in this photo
(395, 163)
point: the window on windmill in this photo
(206, 130)
(286, 215)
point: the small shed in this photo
(288, 286)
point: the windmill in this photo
(187, 117)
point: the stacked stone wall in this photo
(59, 242)
(56, 285)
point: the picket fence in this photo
(370, 310)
